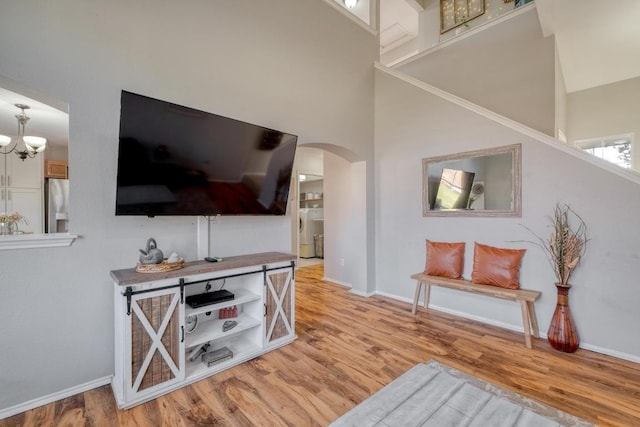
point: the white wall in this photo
(498, 68)
(309, 161)
(361, 225)
(561, 99)
(411, 125)
(56, 152)
(429, 25)
(608, 110)
(346, 236)
(272, 63)
(337, 199)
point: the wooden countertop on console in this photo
(129, 276)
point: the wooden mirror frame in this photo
(516, 182)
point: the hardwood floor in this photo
(349, 347)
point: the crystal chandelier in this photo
(24, 146)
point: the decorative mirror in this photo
(475, 183)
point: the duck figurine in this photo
(152, 255)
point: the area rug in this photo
(433, 394)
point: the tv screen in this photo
(454, 189)
(175, 160)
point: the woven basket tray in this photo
(159, 268)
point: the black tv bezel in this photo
(153, 213)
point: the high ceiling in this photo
(398, 20)
(598, 40)
(398, 23)
(598, 43)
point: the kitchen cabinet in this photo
(56, 169)
(21, 190)
(15, 172)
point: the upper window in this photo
(615, 149)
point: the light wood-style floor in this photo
(349, 347)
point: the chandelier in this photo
(24, 146)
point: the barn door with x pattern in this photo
(279, 305)
(156, 341)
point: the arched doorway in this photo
(310, 206)
(346, 245)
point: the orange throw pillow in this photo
(444, 259)
(496, 266)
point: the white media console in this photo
(156, 332)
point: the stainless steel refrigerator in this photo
(57, 206)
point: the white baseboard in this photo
(395, 297)
(543, 335)
(337, 282)
(45, 400)
(363, 294)
(609, 352)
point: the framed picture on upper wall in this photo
(454, 13)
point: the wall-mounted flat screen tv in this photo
(176, 160)
(454, 189)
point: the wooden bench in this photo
(525, 297)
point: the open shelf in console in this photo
(242, 296)
(212, 329)
(243, 349)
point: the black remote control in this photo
(212, 259)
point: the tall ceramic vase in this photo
(562, 334)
